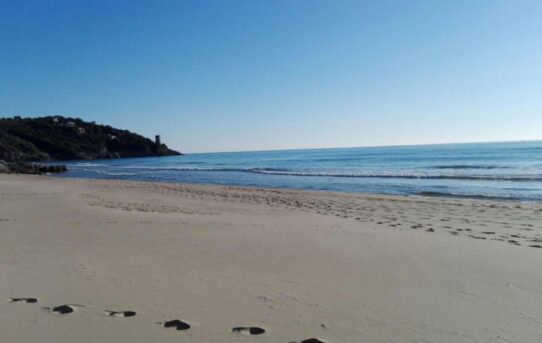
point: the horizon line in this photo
(368, 146)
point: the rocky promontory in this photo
(62, 138)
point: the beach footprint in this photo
(175, 324)
(120, 314)
(62, 309)
(23, 300)
(248, 330)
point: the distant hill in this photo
(60, 138)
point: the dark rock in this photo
(32, 168)
(4, 167)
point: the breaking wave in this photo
(468, 166)
(290, 172)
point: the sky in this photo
(261, 75)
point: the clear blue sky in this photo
(255, 75)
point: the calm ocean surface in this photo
(492, 170)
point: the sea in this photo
(508, 170)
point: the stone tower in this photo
(158, 144)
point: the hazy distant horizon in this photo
(180, 149)
(368, 146)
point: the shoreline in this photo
(339, 267)
(430, 195)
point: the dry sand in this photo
(338, 267)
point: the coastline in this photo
(342, 267)
(421, 195)
(292, 191)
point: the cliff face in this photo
(60, 138)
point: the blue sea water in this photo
(510, 170)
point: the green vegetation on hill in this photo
(60, 138)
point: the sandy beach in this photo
(127, 257)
